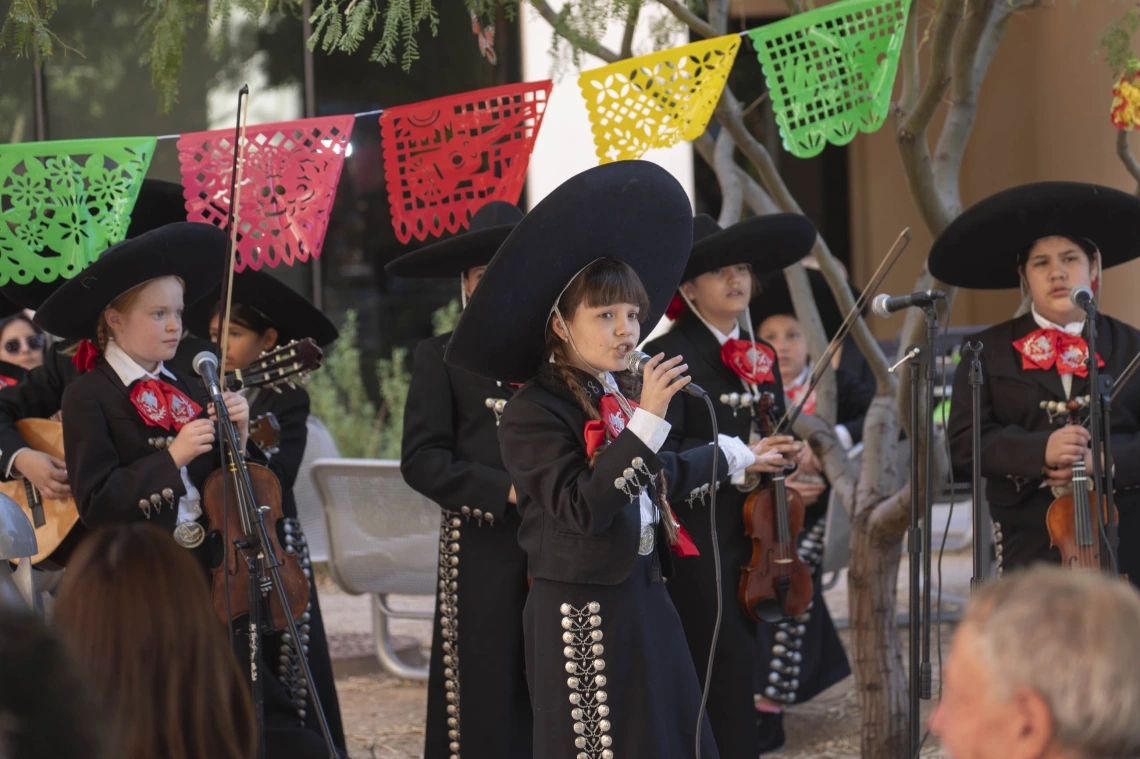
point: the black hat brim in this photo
(453, 256)
(775, 298)
(632, 211)
(768, 243)
(190, 250)
(979, 249)
(293, 316)
(159, 203)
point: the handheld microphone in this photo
(206, 366)
(884, 305)
(1082, 297)
(635, 362)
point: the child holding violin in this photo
(265, 313)
(1048, 238)
(712, 330)
(562, 302)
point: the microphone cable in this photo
(716, 572)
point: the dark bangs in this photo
(605, 282)
(1087, 246)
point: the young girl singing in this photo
(712, 331)
(564, 299)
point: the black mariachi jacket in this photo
(291, 409)
(1015, 429)
(39, 394)
(687, 414)
(583, 524)
(114, 459)
(450, 451)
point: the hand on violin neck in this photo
(1066, 446)
(1056, 477)
(775, 453)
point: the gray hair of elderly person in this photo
(1074, 638)
(45, 708)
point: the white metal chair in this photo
(383, 539)
(17, 541)
(309, 510)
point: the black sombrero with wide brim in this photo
(159, 203)
(288, 311)
(632, 211)
(775, 298)
(190, 250)
(768, 243)
(980, 248)
(490, 226)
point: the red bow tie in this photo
(795, 394)
(751, 361)
(163, 405)
(1046, 348)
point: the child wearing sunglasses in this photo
(21, 342)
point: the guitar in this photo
(54, 519)
(265, 433)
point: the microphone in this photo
(1082, 297)
(206, 366)
(884, 305)
(635, 362)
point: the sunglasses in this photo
(33, 343)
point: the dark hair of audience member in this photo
(136, 613)
(46, 710)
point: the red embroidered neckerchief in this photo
(1046, 348)
(735, 355)
(6, 381)
(162, 405)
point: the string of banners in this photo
(829, 71)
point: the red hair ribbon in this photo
(676, 307)
(685, 545)
(85, 356)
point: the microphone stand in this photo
(257, 550)
(1100, 388)
(918, 536)
(976, 382)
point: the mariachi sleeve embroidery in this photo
(107, 491)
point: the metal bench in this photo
(320, 445)
(383, 540)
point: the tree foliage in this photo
(1116, 43)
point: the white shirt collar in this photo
(1072, 328)
(127, 368)
(802, 379)
(733, 334)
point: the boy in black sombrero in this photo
(266, 313)
(713, 332)
(40, 393)
(562, 302)
(1049, 238)
(477, 695)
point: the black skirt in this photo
(478, 705)
(609, 671)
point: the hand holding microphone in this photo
(642, 363)
(662, 380)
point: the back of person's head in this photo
(46, 710)
(135, 611)
(1069, 639)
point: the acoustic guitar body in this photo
(52, 519)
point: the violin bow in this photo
(232, 223)
(824, 361)
(1125, 375)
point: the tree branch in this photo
(630, 28)
(693, 21)
(731, 191)
(593, 47)
(908, 62)
(754, 195)
(1127, 158)
(793, 7)
(718, 15)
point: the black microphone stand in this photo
(920, 358)
(976, 382)
(260, 557)
(1100, 389)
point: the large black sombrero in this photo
(190, 250)
(452, 257)
(287, 310)
(769, 243)
(776, 298)
(633, 211)
(159, 203)
(980, 248)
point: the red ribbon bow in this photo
(1046, 348)
(595, 436)
(796, 393)
(756, 368)
(685, 545)
(676, 308)
(85, 356)
(163, 405)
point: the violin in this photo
(1074, 517)
(219, 501)
(775, 585)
